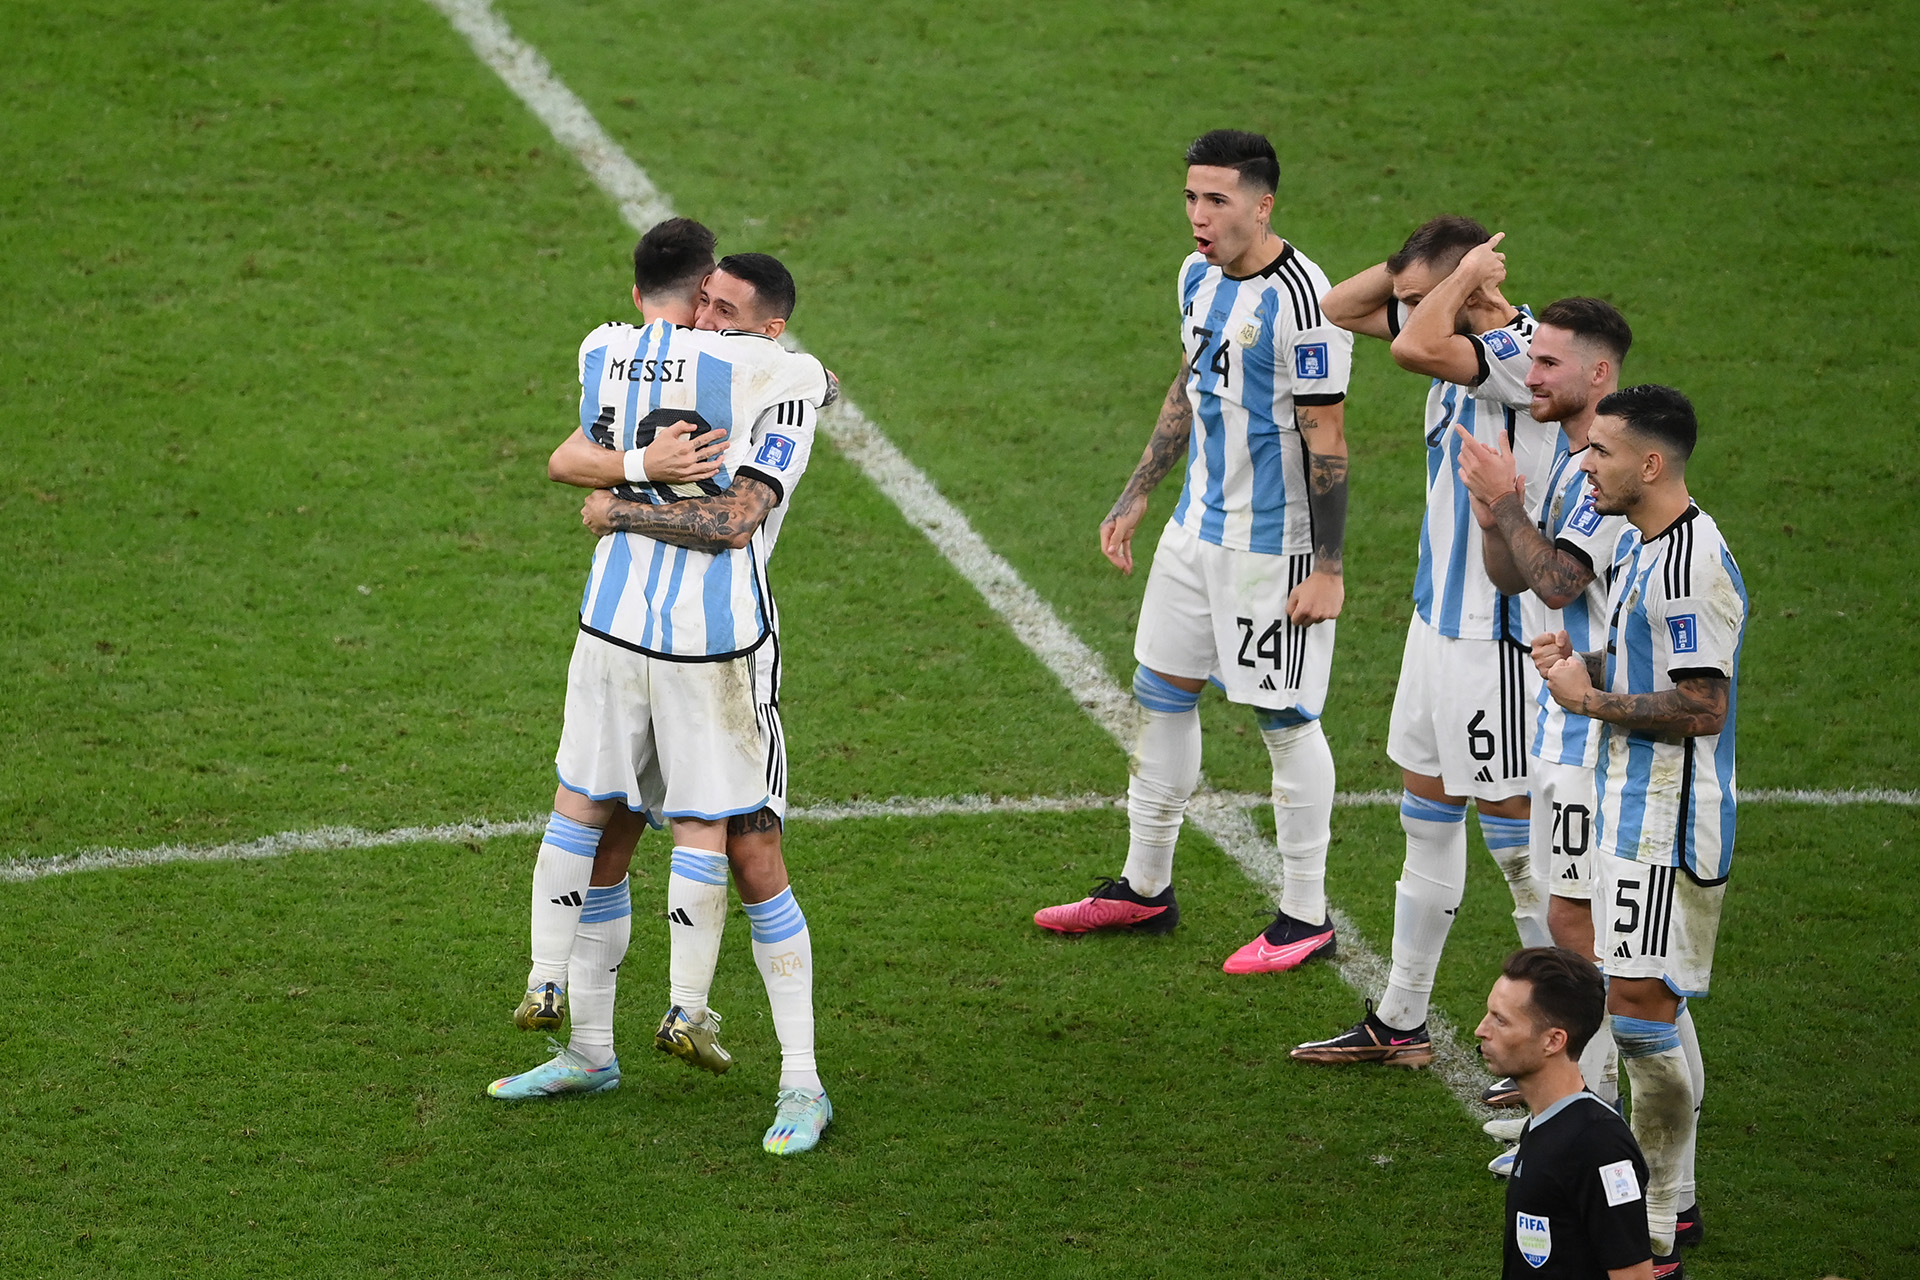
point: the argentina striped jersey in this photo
(1451, 589)
(1569, 521)
(667, 601)
(1678, 608)
(1255, 348)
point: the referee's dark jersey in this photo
(1576, 1203)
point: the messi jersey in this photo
(1451, 589)
(663, 600)
(1571, 524)
(1678, 608)
(1255, 348)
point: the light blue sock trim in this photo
(776, 919)
(606, 902)
(1156, 694)
(1504, 833)
(700, 866)
(1423, 810)
(1643, 1037)
(1280, 719)
(574, 837)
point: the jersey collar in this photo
(1685, 516)
(1271, 269)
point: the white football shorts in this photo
(1562, 826)
(1214, 614)
(1656, 922)
(1461, 713)
(670, 739)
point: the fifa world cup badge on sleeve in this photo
(1310, 360)
(1621, 1184)
(1686, 633)
(1535, 1238)
(1586, 518)
(1502, 344)
(775, 452)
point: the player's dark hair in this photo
(1439, 243)
(672, 258)
(1248, 154)
(1568, 991)
(1658, 413)
(1595, 320)
(772, 282)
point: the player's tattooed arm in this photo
(1323, 429)
(1695, 707)
(1165, 450)
(1555, 575)
(716, 522)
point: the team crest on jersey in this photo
(1249, 334)
(1535, 1238)
(1585, 518)
(1685, 632)
(776, 452)
(1310, 360)
(1501, 343)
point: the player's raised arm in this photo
(717, 522)
(1429, 342)
(1165, 448)
(1359, 304)
(1517, 555)
(1323, 431)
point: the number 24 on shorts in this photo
(1268, 646)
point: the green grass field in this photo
(295, 292)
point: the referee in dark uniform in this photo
(1576, 1202)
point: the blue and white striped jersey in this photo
(1678, 608)
(1451, 589)
(1568, 520)
(663, 600)
(1255, 348)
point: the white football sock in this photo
(1433, 879)
(560, 876)
(1165, 769)
(1663, 1115)
(1600, 1065)
(1697, 1071)
(696, 918)
(783, 951)
(593, 972)
(1302, 815)
(1509, 840)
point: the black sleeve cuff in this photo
(1335, 398)
(1561, 544)
(755, 473)
(1480, 352)
(1393, 317)
(1677, 674)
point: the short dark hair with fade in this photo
(1248, 154)
(1439, 242)
(672, 258)
(1658, 413)
(1568, 991)
(1594, 320)
(772, 282)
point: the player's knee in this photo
(1157, 693)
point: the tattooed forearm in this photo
(1694, 708)
(1552, 574)
(1323, 428)
(1165, 449)
(717, 523)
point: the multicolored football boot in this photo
(1114, 905)
(1371, 1040)
(567, 1073)
(799, 1118)
(1286, 944)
